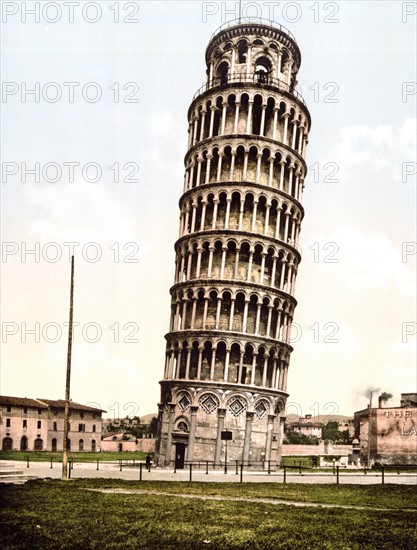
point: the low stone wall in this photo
(320, 449)
(144, 445)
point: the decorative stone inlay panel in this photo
(261, 408)
(209, 403)
(184, 402)
(236, 406)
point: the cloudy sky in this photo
(93, 155)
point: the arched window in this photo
(222, 72)
(38, 445)
(93, 446)
(81, 445)
(262, 70)
(54, 444)
(24, 443)
(7, 444)
(242, 49)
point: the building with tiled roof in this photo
(28, 424)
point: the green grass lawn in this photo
(45, 456)
(55, 514)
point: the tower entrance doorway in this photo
(179, 456)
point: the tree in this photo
(153, 426)
(297, 438)
(331, 432)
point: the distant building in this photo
(38, 425)
(392, 437)
(306, 426)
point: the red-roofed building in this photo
(38, 425)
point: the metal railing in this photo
(260, 78)
(253, 21)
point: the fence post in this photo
(237, 467)
(191, 472)
(269, 466)
(206, 467)
(241, 473)
(337, 475)
(69, 469)
(51, 461)
(98, 461)
(27, 462)
(285, 474)
(383, 475)
(121, 465)
(140, 471)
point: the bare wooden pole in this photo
(68, 379)
(369, 429)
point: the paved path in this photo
(112, 471)
(274, 501)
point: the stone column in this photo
(219, 167)
(171, 413)
(200, 357)
(248, 61)
(226, 365)
(262, 129)
(281, 175)
(285, 139)
(203, 121)
(197, 273)
(236, 126)
(257, 319)
(274, 268)
(195, 131)
(242, 208)
(236, 270)
(249, 122)
(212, 109)
(213, 361)
(252, 378)
(208, 168)
(268, 322)
(248, 431)
(269, 432)
(239, 376)
(223, 264)
(221, 413)
(226, 222)
(158, 434)
(224, 111)
(258, 167)
(271, 171)
(215, 207)
(232, 313)
(294, 134)
(245, 316)
(274, 132)
(187, 365)
(264, 370)
(203, 216)
(254, 213)
(218, 311)
(191, 437)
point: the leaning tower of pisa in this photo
(237, 255)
